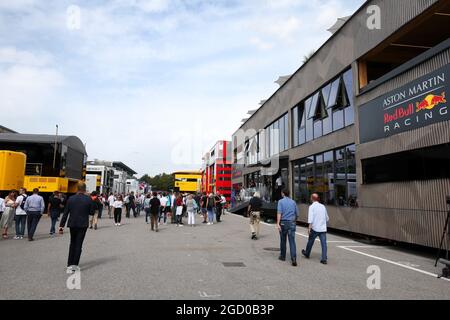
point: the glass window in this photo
(296, 176)
(348, 82)
(351, 173)
(341, 176)
(319, 186)
(326, 94)
(309, 172)
(276, 138)
(286, 131)
(281, 130)
(338, 119)
(349, 115)
(303, 181)
(317, 129)
(334, 93)
(295, 126)
(327, 124)
(420, 164)
(314, 105)
(309, 130)
(328, 171)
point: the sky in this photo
(151, 83)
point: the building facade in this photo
(365, 124)
(217, 169)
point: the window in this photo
(421, 164)
(331, 174)
(330, 109)
(278, 136)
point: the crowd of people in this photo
(159, 208)
(83, 211)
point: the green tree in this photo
(160, 182)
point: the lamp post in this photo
(56, 147)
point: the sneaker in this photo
(21, 237)
(119, 224)
(16, 238)
(281, 258)
(294, 262)
(324, 262)
(181, 225)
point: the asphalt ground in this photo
(188, 263)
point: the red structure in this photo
(217, 170)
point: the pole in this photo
(56, 147)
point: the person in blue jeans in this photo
(317, 219)
(54, 210)
(287, 225)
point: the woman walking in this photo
(210, 205)
(191, 207)
(179, 212)
(8, 215)
(118, 205)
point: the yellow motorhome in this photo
(12, 170)
(187, 181)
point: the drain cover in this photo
(272, 249)
(234, 264)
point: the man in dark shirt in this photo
(132, 200)
(254, 210)
(219, 206)
(203, 203)
(54, 210)
(155, 205)
(79, 207)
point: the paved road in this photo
(130, 262)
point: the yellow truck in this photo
(12, 176)
(12, 170)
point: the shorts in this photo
(168, 210)
(204, 211)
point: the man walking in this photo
(286, 223)
(317, 219)
(155, 206)
(54, 210)
(254, 211)
(34, 207)
(79, 207)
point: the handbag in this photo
(179, 210)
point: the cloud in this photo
(151, 83)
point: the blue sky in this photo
(151, 83)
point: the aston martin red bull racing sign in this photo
(418, 104)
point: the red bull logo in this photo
(430, 102)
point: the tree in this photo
(160, 182)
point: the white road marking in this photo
(306, 236)
(350, 248)
(203, 294)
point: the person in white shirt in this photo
(317, 219)
(118, 205)
(2, 206)
(111, 200)
(21, 215)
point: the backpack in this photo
(169, 201)
(24, 199)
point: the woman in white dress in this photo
(8, 215)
